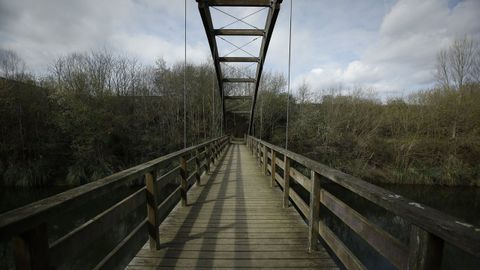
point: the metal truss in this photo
(252, 31)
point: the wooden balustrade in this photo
(430, 228)
(28, 226)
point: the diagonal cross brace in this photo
(266, 34)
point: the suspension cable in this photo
(214, 123)
(185, 82)
(289, 70)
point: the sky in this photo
(388, 46)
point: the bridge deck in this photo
(234, 220)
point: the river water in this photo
(461, 202)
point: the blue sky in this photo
(388, 46)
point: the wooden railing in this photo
(430, 229)
(28, 226)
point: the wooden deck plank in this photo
(143, 267)
(233, 263)
(234, 220)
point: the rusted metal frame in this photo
(203, 7)
(269, 25)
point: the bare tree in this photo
(476, 65)
(442, 69)
(304, 93)
(461, 56)
(458, 64)
(12, 65)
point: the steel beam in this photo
(239, 59)
(240, 3)
(238, 97)
(238, 80)
(269, 25)
(239, 112)
(208, 25)
(239, 32)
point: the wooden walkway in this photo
(233, 220)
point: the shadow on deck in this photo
(234, 219)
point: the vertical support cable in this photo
(214, 124)
(289, 70)
(185, 83)
(261, 118)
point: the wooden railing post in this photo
(153, 224)
(183, 180)
(273, 167)
(265, 160)
(212, 153)
(31, 249)
(216, 150)
(425, 250)
(197, 167)
(207, 157)
(286, 178)
(220, 147)
(259, 154)
(314, 212)
(252, 148)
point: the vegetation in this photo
(98, 113)
(431, 137)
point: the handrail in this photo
(27, 225)
(430, 227)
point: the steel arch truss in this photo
(252, 31)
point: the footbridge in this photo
(227, 203)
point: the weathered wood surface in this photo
(450, 229)
(27, 226)
(234, 220)
(24, 218)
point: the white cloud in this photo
(148, 47)
(402, 58)
(389, 46)
(40, 31)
